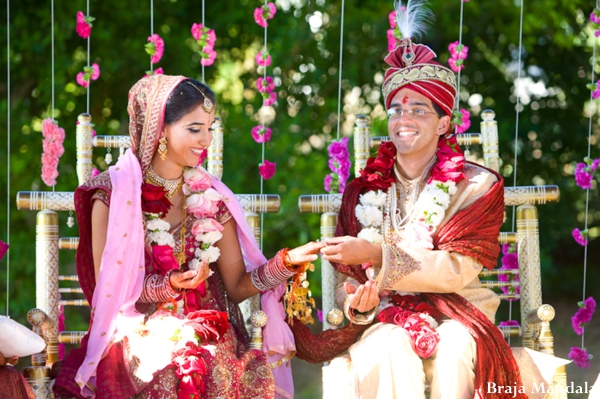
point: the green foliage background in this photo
(552, 124)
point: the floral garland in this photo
(88, 74)
(53, 150)
(155, 48)
(430, 207)
(201, 202)
(83, 26)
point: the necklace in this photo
(181, 258)
(171, 186)
(409, 193)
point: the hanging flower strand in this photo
(458, 55)
(266, 87)
(461, 120)
(206, 39)
(394, 35)
(88, 74)
(83, 26)
(53, 150)
(155, 48)
(595, 20)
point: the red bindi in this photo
(405, 100)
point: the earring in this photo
(162, 148)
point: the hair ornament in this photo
(207, 105)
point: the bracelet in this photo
(272, 273)
(158, 289)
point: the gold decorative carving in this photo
(84, 147)
(46, 262)
(112, 141)
(533, 195)
(69, 243)
(489, 133)
(38, 378)
(52, 201)
(361, 143)
(260, 203)
(215, 150)
(464, 139)
(258, 320)
(328, 273)
(71, 337)
(335, 317)
(507, 238)
(529, 268)
(320, 203)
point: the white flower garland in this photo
(428, 213)
(197, 182)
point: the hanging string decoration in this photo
(584, 176)
(155, 48)
(83, 26)
(339, 164)
(88, 74)
(53, 150)
(206, 39)
(461, 118)
(266, 87)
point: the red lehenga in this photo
(232, 371)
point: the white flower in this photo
(373, 198)
(211, 254)
(161, 238)
(371, 234)
(209, 238)
(435, 214)
(198, 253)
(429, 319)
(158, 225)
(369, 215)
(194, 264)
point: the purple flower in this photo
(327, 182)
(580, 357)
(580, 237)
(583, 315)
(261, 134)
(320, 315)
(339, 162)
(583, 177)
(510, 260)
(509, 323)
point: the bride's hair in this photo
(187, 95)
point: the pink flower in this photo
(462, 120)
(269, 98)
(197, 31)
(392, 41)
(196, 180)
(421, 235)
(157, 71)
(211, 38)
(456, 65)
(264, 13)
(95, 172)
(208, 58)
(262, 59)
(164, 258)
(265, 85)
(89, 73)
(425, 341)
(200, 205)
(267, 169)
(580, 357)
(392, 19)
(580, 237)
(83, 26)
(155, 48)
(583, 315)
(261, 134)
(53, 150)
(206, 225)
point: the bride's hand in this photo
(190, 279)
(305, 253)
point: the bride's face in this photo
(188, 137)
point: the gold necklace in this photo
(171, 186)
(181, 257)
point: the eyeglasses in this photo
(415, 113)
